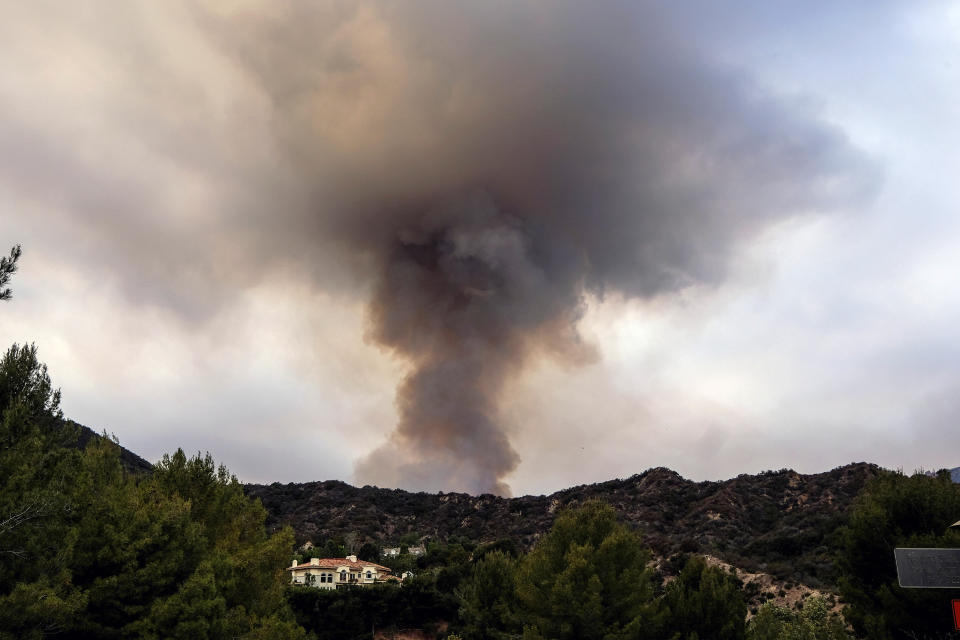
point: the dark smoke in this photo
(464, 296)
(494, 163)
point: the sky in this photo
(500, 247)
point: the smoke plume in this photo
(494, 164)
(477, 167)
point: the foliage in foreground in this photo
(814, 622)
(704, 602)
(896, 510)
(590, 577)
(88, 550)
(355, 613)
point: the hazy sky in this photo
(491, 246)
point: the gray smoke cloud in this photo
(480, 168)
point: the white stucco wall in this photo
(341, 575)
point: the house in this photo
(390, 552)
(416, 551)
(332, 573)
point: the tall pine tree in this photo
(588, 579)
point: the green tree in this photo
(895, 510)
(33, 448)
(488, 599)
(399, 564)
(8, 266)
(240, 564)
(369, 552)
(330, 549)
(353, 613)
(38, 461)
(409, 539)
(814, 622)
(505, 545)
(90, 550)
(588, 578)
(704, 603)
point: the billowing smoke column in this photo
(464, 297)
(490, 164)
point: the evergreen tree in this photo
(38, 464)
(704, 603)
(588, 578)
(88, 550)
(330, 549)
(8, 266)
(179, 554)
(895, 510)
(369, 552)
(488, 599)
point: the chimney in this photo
(352, 558)
(294, 563)
(314, 560)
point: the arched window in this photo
(369, 575)
(343, 576)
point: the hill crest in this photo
(774, 521)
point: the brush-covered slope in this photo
(778, 522)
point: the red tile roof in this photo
(336, 563)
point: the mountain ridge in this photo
(778, 522)
(775, 521)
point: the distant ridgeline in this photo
(131, 461)
(777, 522)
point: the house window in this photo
(343, 576)
(323, 577)
(369, 575)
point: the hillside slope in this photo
(130, 461)
(777, 522)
